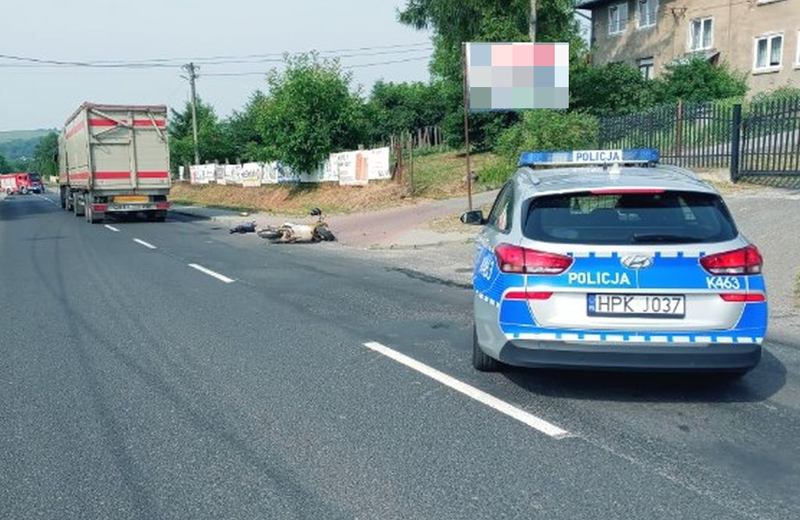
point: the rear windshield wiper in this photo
(663, 238)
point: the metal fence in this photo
(770, 139)
(758, 138)
(429, 137)
(693, 135)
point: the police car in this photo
(606, 259)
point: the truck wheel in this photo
(92, 217)
(77, 209)
(24, 190)
(63, 198)
(157, 216)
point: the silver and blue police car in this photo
(606, 259)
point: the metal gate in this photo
(769, 140)
(688, 134)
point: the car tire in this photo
(480, 360)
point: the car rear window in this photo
(671, 217)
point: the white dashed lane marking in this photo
(209, 272)
(145, 244)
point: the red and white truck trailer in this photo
(115, 159)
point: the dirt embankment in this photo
(429, 176)
(293, 200)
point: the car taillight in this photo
(743, 297)
(740, 261)
(515, 259)
(528, 295)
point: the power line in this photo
(356, 66)
(281, 54)
(25, 62)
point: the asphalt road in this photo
(133, 385)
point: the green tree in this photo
(613, 88)
(457, 21)
(45, 156)
(696, 79)
(398, 107)
(310, 112)
(5, 167)
(241, 129)
(213, 145)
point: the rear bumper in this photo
(128, 208)
(713, 357)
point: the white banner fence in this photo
(346, 168)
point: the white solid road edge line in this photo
(479, 395)
(112, 228)
(145, 244)
(209, 272)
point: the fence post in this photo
(398, 161)
(679, 129)
(736, 141)
(411, 161)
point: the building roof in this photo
(593, 4)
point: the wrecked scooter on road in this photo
(290, 233)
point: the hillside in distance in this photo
(19, 144)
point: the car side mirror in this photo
(474, 218)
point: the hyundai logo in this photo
(637, 261)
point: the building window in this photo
(701, 34)
(617, 18)
(798, 48)
(647, 13)
(769, 50)
(646, 67)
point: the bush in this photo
(613, 88)
(779, 94)
(495, 175)
(697, 79)
(539, 130)
(548, 130)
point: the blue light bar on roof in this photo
(582, 157)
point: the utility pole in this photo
(532, 24)
(464, 72)
(192, 70)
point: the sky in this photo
(365, 33)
